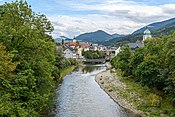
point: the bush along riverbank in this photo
(62, 67)
(65, 71)
(150, 72)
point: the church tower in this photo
(147, 34)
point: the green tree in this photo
(93, 54)
(7, 68)
(122, 60)
(62, 42)
(25, 34)
(136, 59)
(148, 73)
(152, 65)
(169, 72)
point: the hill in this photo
(94, 37)
(59, 39)
(117, 35)
(155, 26)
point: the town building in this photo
(134, 46)
(138, 44)
(69, 52)
(85, 46)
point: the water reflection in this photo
(91, 68)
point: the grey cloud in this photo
(55, 23)
(169, 11)
(79, 21)
(121, 12)
(136, 17)
(142, 19)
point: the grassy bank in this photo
(66, 71)
(150, 101)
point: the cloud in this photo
(73, 26)
(73, 17)
(112, 16)
(169, 9)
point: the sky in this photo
(73, 17)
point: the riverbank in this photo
(117, 90)
(133, 96)
(66, 71)
(63, 73)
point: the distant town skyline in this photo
(73, 17)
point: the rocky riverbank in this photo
(115, 88)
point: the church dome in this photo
(147, 32)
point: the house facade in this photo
(69, 53)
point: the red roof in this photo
(85, 44)
(72, 44)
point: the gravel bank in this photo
(112, 85)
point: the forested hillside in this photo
(30, 65)
(157, 29)
(156, 26)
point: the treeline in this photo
(29, 62)
(152, 65)
(93, 54)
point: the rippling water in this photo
(80, 96)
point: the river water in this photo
(80, 96)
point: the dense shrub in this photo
(93, 54)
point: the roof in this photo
(72, 44)
(147, 31)
(135, 45)
(84, 44)
(67, 47)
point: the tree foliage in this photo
(93, 54)
(122, 60)
(7, 68)
(152, 65)
(28, 61)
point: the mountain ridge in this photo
(101, 37)
(163, 28)
(96, 36)
(155, 26)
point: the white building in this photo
(68, 53)
(79, 52)
(117, 51)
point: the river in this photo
(80, 96)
